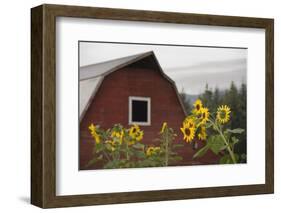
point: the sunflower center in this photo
(198, 107)
(134, 130)
(204, 115)
(187, 131)
(222, 114)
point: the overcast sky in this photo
(190, 67)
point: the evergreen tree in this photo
(216, 98)
(207, 97)
(242, 118)
(186, 101)
(236, 100)
(231, 98)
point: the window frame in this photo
(138, 98)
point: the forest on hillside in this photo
(236, 98)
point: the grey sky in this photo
(190, 67)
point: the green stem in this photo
(228, 148)
(225, 141)
(127, 151)
(105, 154)
(166, 148)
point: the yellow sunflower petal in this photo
(197, 106)
(223, 114)
(164, 126)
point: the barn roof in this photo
(103, 68)
(91, 77)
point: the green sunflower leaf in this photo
(234, 140)
(139, 154)
(201, 151)
(138, 146)
(177, 146)
(235, 131)
(225, 159)
(216, 144)
(208, 125)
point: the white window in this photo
(139, 110)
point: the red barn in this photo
(130, 90)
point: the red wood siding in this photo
(110, 106)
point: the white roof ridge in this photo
(115, 59)
(102, 68)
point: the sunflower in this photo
(140, 136)
(202, 135)
(190, 122)
(119, 134)
(188, 131)
(135, 133)
(95, 135)
(197, 106)
(134, 130)
(152, 150)
(164, 126)
(223, 114)
(204, 115)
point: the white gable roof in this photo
(86, 89)
(99, 69)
